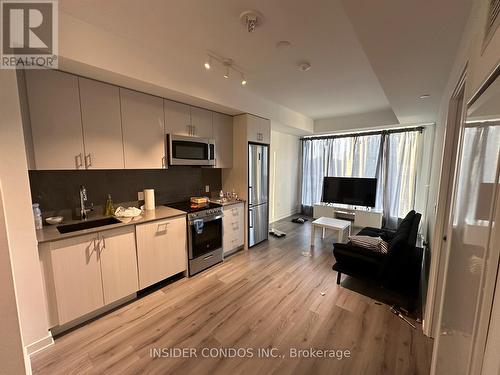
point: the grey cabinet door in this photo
(201, 120)
(177, 118)
(223, 136)
(102, 128)
(143, 130)
(56, 123)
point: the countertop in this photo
(227, 203)
(50, 233)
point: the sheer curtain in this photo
(388, 156)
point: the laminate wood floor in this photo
(267, 297)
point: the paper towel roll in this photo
(149, 199)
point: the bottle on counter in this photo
(109, 208)
(37, 215)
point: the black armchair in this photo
(396, 268)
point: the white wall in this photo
(18, 214)
(12, 353)
(369, 120)
(284, 163)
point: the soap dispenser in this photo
(109, 210)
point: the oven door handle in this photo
(208, 219)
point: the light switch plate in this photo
(140, 195)
(207, 188)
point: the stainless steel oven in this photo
(204, 239)
(182, 150)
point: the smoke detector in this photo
(304, 66)
(251, 19)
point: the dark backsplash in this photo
(57, 192)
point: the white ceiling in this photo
(374, 66)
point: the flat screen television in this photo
(350, 190)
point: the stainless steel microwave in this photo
(183, 150)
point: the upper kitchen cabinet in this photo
(102, 128)
(201, 121)
(177, 118)
(223, 136)
(56, 122)
(143, 130)
(258, 129)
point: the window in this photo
(389, 156)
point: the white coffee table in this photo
(328, 223)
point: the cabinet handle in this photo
(162, 225)
(194, 130)
(88, 160)
(163, 162)
(79, 161)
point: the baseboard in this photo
(39, 345)
(283, 216)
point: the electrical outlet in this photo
(207, 188)
(140, 195)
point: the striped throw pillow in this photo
(376, 244)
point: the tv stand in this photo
(360, 216)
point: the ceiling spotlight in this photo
(226, 74)
(208, 63)
(243, 80)
(424, 96)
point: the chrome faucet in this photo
(83, 203)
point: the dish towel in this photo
(198, 226)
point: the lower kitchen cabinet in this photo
(88, 272)
(118, 263)
(233, 225)
(161, 250)
(77, 277)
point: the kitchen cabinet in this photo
(76, 277)
(161, 250)
(102, 128)
(56, 123)
(223, 136)
(258, 129)
(143, 128)
(118, 260)
(233, 226)
(201, 121)
(89, 272)
(177, 118)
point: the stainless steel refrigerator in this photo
(258, 189)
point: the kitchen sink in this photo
(68, 228)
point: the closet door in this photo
(56, 122)
(143, 130)
(102, 127)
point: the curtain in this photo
(400, 175)
(389, 157)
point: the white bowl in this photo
(54, 220)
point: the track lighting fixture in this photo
(226, 64)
